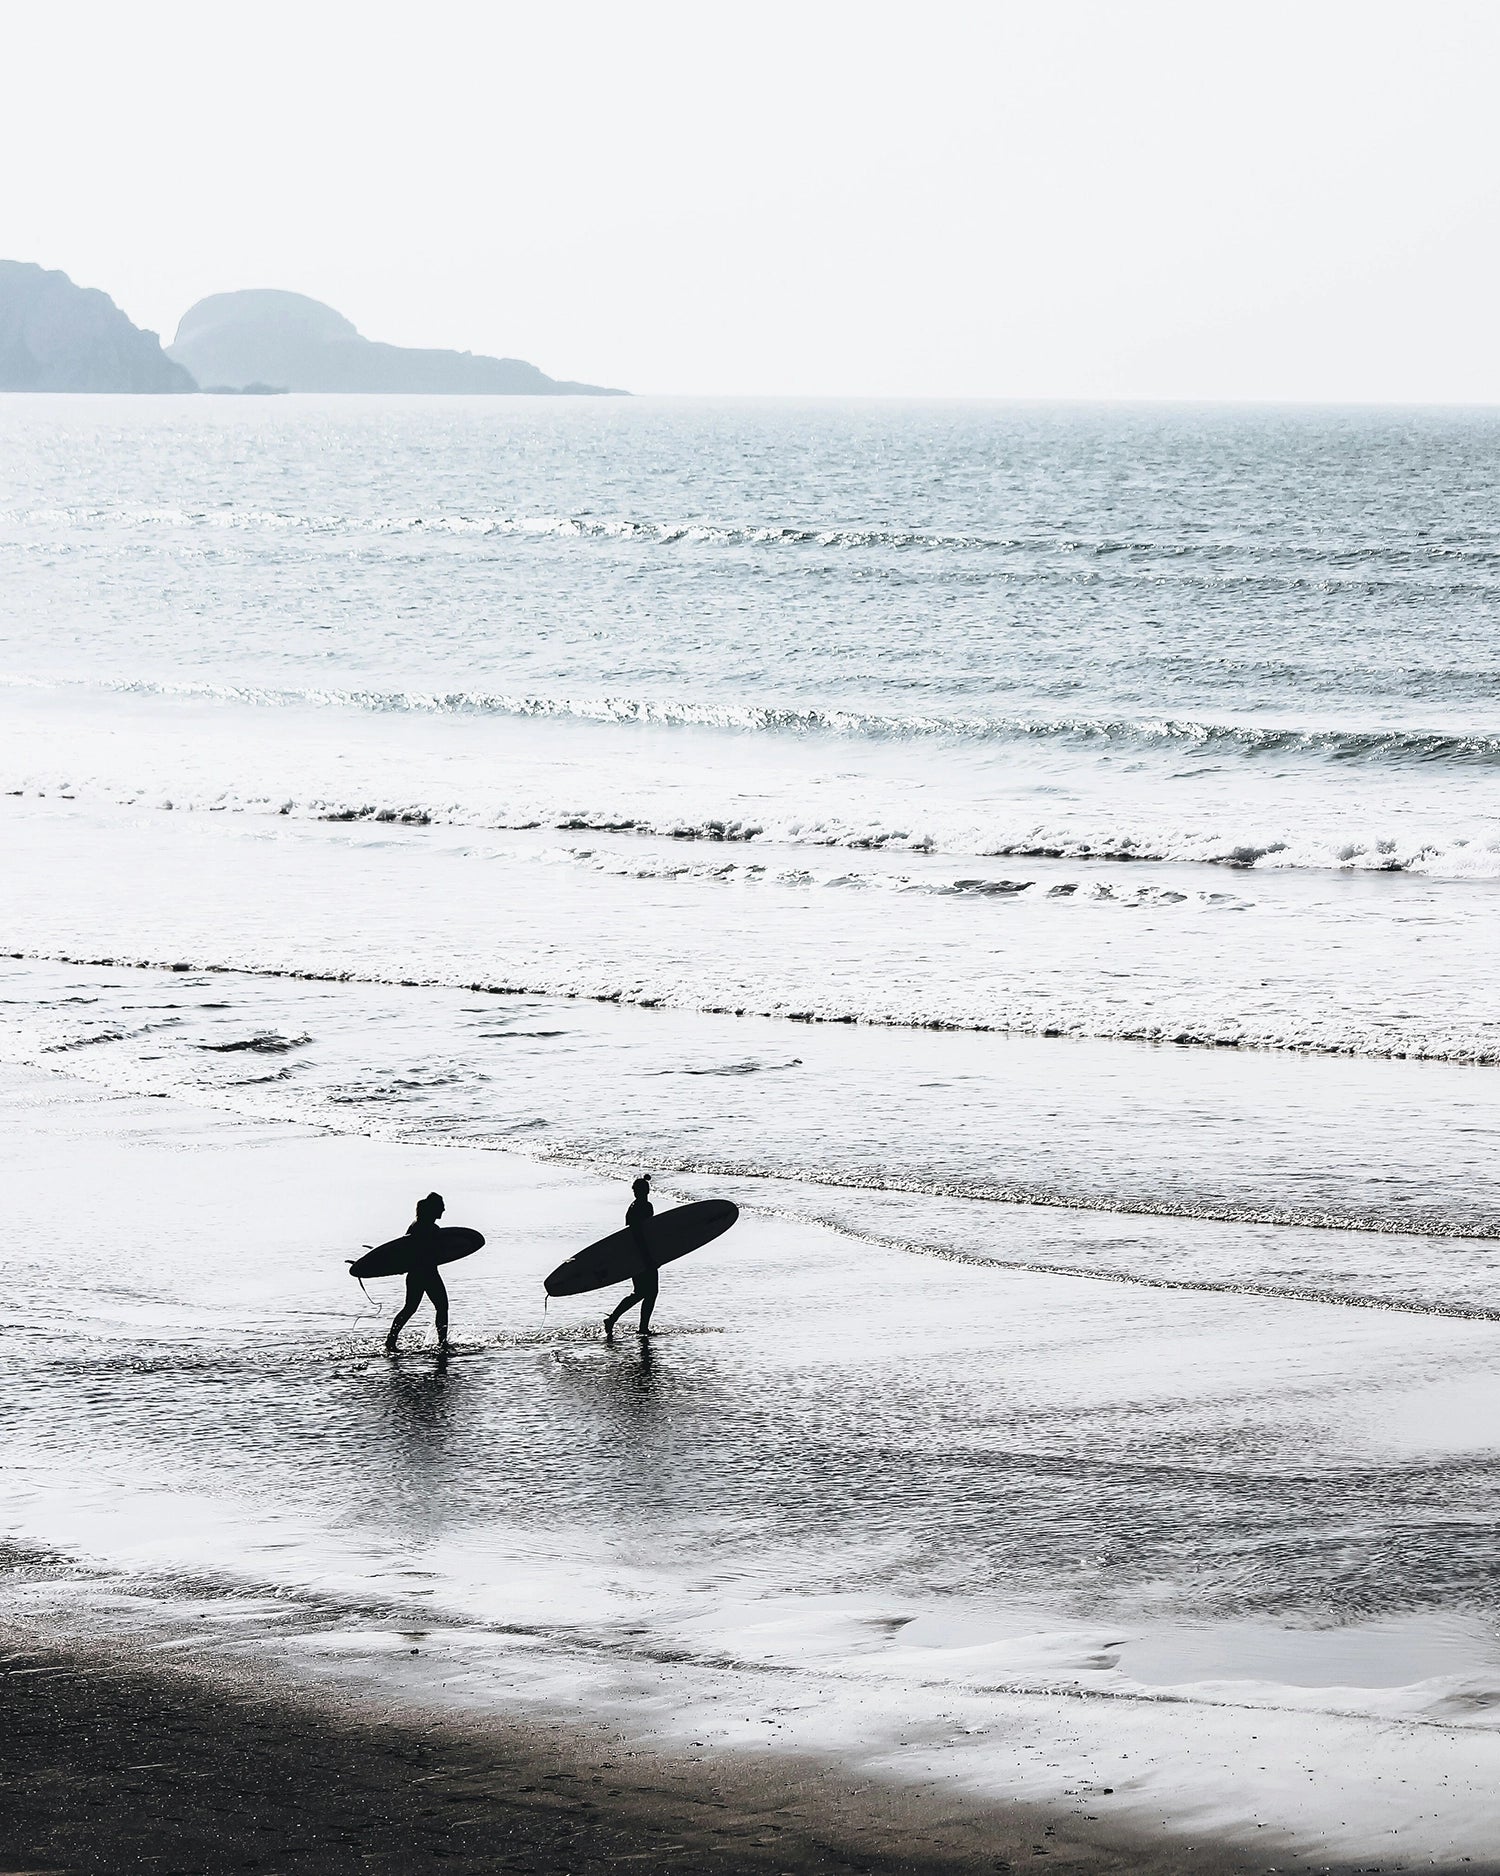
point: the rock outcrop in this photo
(55, 336)
(266, 337)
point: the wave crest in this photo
(1172, 735)
(1354, 558)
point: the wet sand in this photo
(112, 1765)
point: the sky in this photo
(1060, 199)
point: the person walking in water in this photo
(422, 1277)
(638, 1222)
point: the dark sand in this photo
(120, 1766)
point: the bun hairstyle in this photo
(643, 1184)
(431, 1207)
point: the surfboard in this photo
(396, 1258)
(613, 1259)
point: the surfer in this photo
(638, 1224)
(422, 1278)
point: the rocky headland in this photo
(55, 336)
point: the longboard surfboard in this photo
(397, 1257)
(615, 1259)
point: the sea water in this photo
(934, 723)
(1051, 839)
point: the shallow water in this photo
(203, 1393)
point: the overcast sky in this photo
(1134, 199)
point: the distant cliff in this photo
(58, 337)
(266, 337)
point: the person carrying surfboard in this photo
(638, 1223)
(422, 1277)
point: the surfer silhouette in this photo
(422, 1278)
(638, 1222)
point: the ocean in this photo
(990, 843)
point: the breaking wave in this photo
(1171, 735)
(1347, 555)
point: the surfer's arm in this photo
(641, 1237)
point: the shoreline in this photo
(1238, 1093)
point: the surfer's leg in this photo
(408, 1309)
(645, 1289)
(438, 1291)
(619, 1310)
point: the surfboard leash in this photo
(375, 1308)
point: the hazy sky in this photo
(1052, 199)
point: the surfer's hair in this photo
(642, 1183)
(431, 1205)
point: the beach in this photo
(112, 1768)
(1039, 864)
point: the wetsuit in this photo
(638, 1224)
(422, 1280)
